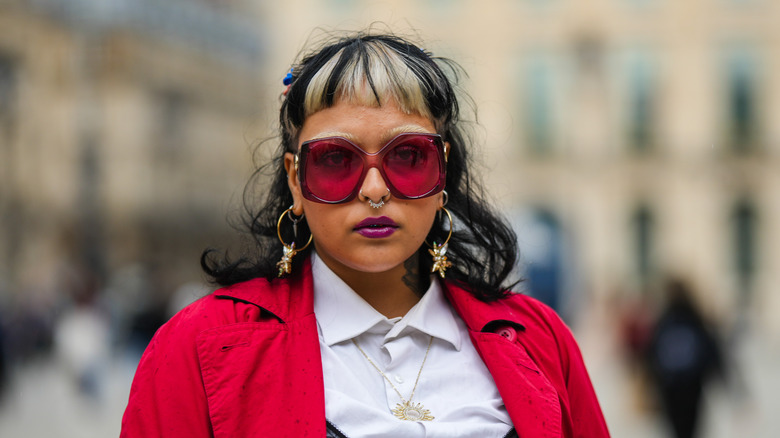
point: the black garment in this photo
(683, 354)
(333, 432)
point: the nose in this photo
(374, 186)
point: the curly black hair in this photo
(483, 248)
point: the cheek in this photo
(421, 217)
(324, 220)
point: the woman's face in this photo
(343, 243)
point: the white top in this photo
(455, 385)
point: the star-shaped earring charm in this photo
(440, 262)
(285, 264)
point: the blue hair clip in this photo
(288, 79)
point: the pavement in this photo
(44, 400)
(746, 405)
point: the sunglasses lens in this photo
(332, 171)
(413, 166)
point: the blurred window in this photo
(589, 56)
(545, 252)
(741, 101)
(643, 229)
(640, 103)
(744, 232)
(7, 89)
(172, 120)
(539, 105)
(10, 223)
(89, 205)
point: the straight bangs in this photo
(370, 74)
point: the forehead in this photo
(368, 126)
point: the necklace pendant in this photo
(412, 412)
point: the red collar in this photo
(286, 298)
(480, 316)
(292, 297)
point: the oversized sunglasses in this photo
(332, 169)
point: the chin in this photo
(369, 260)
(374, 268)
(371, 263)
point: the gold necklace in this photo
(407, 410)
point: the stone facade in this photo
(625, 139)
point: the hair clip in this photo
(288, 80)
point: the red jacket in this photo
(245, 362)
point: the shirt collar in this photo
(342, 314)
(432, 315)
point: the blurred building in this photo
(644, 142)
(124, 130)
(625, 139)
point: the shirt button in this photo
(399, 379)
(507, 332)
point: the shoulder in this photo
(535, 315)
(539, 328)
(235, 304)
(197, 360)
(527, 305)
(174, 346)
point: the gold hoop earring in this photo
(439, 252)
(289, 251)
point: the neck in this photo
(392, 293)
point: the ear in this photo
(443, 199)
(443, 195)
(293, 183)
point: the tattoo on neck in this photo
(412, 278)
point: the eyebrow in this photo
(330, 134)
(386, 137)
(405, 128)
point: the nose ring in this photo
(381, 202)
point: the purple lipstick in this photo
(376, 227)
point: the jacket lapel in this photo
(531, 400)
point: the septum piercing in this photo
(373, 204)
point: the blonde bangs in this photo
(391, 81)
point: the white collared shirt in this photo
(454, 385)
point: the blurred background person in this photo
(82, 336)
(684, 354)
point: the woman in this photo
(383, 311)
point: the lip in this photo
(376, 227)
